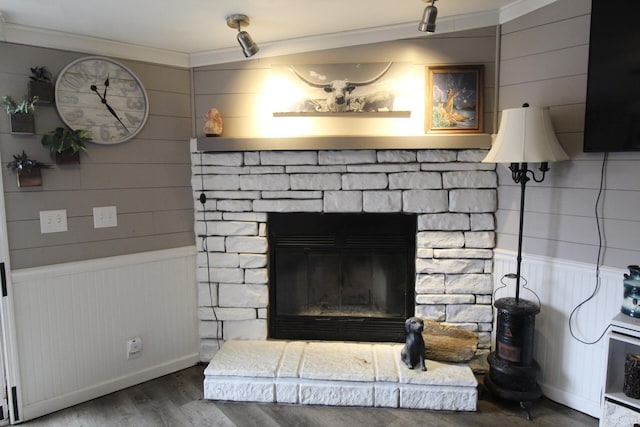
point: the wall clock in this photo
(101, 95)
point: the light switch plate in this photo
(105, 216)
(53, 221)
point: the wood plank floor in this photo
(176, 400)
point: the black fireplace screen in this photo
(341, 276)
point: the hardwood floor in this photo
(176, 400)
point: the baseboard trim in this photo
(571, 400)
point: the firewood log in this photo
(446, 343)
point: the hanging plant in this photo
(40, 84)
(40, 74)
(65, 144)
(25, 106)
(28, 171)
(20, 113)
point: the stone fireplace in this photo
(451, 195)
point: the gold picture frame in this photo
(454, 99)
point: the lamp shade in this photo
(526, 136)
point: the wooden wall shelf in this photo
(337, 142)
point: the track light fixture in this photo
(428, 22)
(237, 21)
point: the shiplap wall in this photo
(544, 57)
(147, 178)
(240, 90)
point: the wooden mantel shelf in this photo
(337, 142)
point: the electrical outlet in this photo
(53, 221)
(134, 348)
(106, 216)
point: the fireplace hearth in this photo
(347, 277)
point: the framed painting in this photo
(454, 99)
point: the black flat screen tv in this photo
(612, 116)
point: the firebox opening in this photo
(341, 276)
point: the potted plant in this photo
(40, 84)
(20, 113)
(65, 144)
(28, 171)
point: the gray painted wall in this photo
(544, 58)
(543, 62)
(238, 89)
(147, 178)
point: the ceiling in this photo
(194, 32)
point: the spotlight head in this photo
(428, 22)
(249, 48)
(237, 21)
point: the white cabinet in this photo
(617, 408)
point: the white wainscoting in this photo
(73, 321)
(571, 372)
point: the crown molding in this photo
(346, 39)
(21, 34)
(520, 8)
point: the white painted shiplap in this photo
(571, 371)
(73, 321)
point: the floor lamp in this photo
(525, 136)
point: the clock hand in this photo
(111, 110)
(113, 113)
(106, 85)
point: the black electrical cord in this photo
(599, 258)
(203, 200)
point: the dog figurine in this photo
(414, 348)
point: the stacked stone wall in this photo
(452, 193)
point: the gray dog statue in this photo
(414, 348)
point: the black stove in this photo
(512, 369)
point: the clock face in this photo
(103, 96)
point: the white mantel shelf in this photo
(337, 142)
